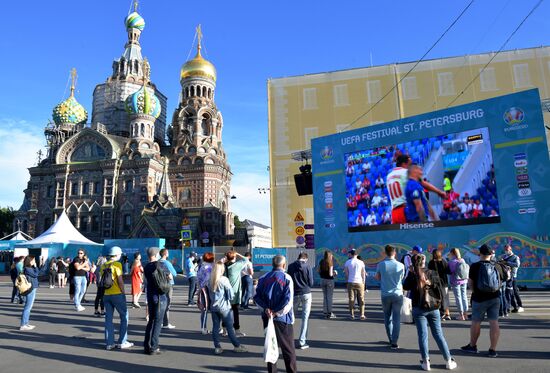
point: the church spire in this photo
(73, 81)
(164, 191)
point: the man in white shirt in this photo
(360, 220)
(376, 200)
(371, 219)
(354, 270)
(463, 207)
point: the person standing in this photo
(15, 270)
(31, 273)
(459, 282)
(247, 281)
(100, 289)
(512, 291)
(419, 281)
(274, 295)
(169, 268)
(440, 266)
(137, 280)
(221, 296)
(80, 269)
(156, 304)
(327, 274)
(191, 270)
(302, 276)
(203, 277)
(61, 272)
(52, 272)
(233, 269)
(354, 270)
(390, 273)
(485, 282)
(115, 299)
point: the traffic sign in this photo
(186, 235)
(185, 221)
(299, 217)
(300, 231)
(300, 240)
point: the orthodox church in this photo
(126, 173)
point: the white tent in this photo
(61, 232)
(18, 237)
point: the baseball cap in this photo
(152, 251)
(417, 248)
(486, 250)
(193, 254)
(112, 251)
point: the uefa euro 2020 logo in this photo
(513, 116)
(326, 153)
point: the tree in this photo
(237, 222)
(6, 219)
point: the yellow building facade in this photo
(309, 106)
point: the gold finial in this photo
(73, 80)
(136, 3)
(199, 38)
(146, 71)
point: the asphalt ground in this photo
(67, 341)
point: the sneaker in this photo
(446, 317)
(153, 352)
(125, 345)
(239, 334)
(240, 348)
(520, 309)
(363, 317)
(451, 364)
(332, 316)
(303, 347)
(102, 313)
(492, 353)
(110, 347)
(204, 331)
(79, 308)
(136, 305)
(425, 364)
(470, 349)
(169, 326)
(97, 314)
(218, 350)
(26, 327)
(352, 317)
(394, 346)
(223, 332)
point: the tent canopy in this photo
(61, 232)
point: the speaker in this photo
(304, 184)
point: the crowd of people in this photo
(225, 286)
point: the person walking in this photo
(115, 299)
(221, 296)
(15, 270)
(233, 269)
(247, 281)
(426, 291)
(156, 304)
(512, 291)
(191, 270)
(81, 268)
(390, 273)
(327, 274)
(485, 282)
(98, 302)
(52, 272)
(203, 277)
(459, 282)
(30, 271)
(274, 296)
(440, 266)
(354, 270)
(169, 268)
(137, 280)
(302, 276)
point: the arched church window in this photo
(192, 90)
(205, 124)
(192, 150)
(198, 161)
(210, 93)
(203, 91)
(142, 132)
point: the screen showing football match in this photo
(433, 182)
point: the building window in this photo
(487, 79)
(408, 85)
(341, 95)
(374, 91)
(127, 222)
(310, 98)
(86, 188)
(97, 187)
(84, 223)
(49, 191)
(74, 189)
(521, 76)
(95, 223)
(129, 186)
(446, 84)
(310, 133)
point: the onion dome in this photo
(134, 20)
(70, 111)
(198, 66)
(143, 102)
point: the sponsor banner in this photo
(262, 258)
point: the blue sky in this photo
(248, 42)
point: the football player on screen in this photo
(418, 208)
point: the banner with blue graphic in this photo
(459, 177)
(262, 258)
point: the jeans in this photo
(157, 307)
(166, 320)
(79, 289)
(461, 297)
(512, 292)
(117, 302)
(422, 319)
(192, 290)
(504, 306)
(52, 276)
(328, 290)
(305, 301)
(248, 289)
(225, 316)
(391, 306)
(29, 301)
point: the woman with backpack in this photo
(203, 277)
(427, 294)
(440, 266)
(459, 282)
(31, 273)
(221, 294)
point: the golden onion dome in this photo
(198, 67)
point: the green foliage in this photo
(6, 219)
(237, 222)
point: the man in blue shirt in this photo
(191, 270)
(417, 205)
(390, 273)
(169, 268)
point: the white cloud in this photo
(250, 204)
(19, 143)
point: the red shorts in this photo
(398, 215)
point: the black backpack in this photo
(432, 297)
(506, 270)
(160, 279)
(488, 279)
(106, 280)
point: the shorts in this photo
(489, 307)
(398, 215)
